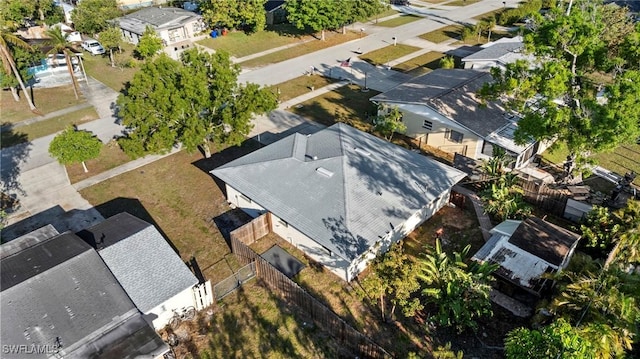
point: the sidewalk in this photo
(48, 116)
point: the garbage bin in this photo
(214, 34)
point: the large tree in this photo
(389, 122)
(58, 42)
(458, 290)
(92, 16)
(248, 14)
(73, 146)
(318, 15)
(111, 39)
(9, 67)
(581, 89)
(150, 43)
(194, 102)
(14, 12)
(393, 279)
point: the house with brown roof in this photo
(525, 250)
(442, 109)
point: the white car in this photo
(93, 47)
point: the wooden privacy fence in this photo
(319, 313)
(254, 230)
(550, 200)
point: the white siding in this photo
(241, 201)
(419, 217)
(313, 249)
(159, 316)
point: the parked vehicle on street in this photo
(93, 47)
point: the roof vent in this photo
(362, 152)
(311, 157)
(325, 172)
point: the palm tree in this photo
(9, 65)
(60, 45)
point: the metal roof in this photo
(146, 266)
(453, 94)
(156, 17)
(59, 290)
(373, 187)
(494, 51)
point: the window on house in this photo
(454, 136)
(428, 125)
(487, 148)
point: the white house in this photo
(173, 25)
(340, 195)
(150, 271)
(59, 300)
(525, 250)
(443, 110)
(497, 54)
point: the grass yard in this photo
(47, 100)
(111, 156)
(448, 32)
(99, 67)
(474, 41)
(299, 86)
(345, 104)
(422, 64)
(47, 127)
(388, 53)
(621, 160)
(461, 2)
(488, 15)
(240, 44)
(400, 20)
(388, 12)
(253, 323)
(331, 39)
(179, 196)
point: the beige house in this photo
(172, 24)
(442, 109)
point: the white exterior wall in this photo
(419, 217)
(436, 136)
(313, 249)
(241, 201)
(159, 316)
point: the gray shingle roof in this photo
(495, 51)
(341, 187)
(60, 288)
(146, 266)
(158, 18)
(453, 93)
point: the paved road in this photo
(42, 185)
(329, 58)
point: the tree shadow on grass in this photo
(15, 152)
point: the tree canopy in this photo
(13, 12)
(149, 44)
(73, 146)
(247, 14)
(193, 102)
(389, 123)
(321, 15)
(92, 16)
(581, 87)
(111, 39)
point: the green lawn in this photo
(111, 156)
(489, 15)
(422, 64)
(388, 12)
(443, 34)
(621, 160)
(240, 44)
(388, 53)
(46, 127)
(461, 2)
(331, 39)
(47, 100)
(345, 104)
(401, 20)
(299, 86)
(99, 67)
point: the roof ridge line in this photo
(458, 86)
